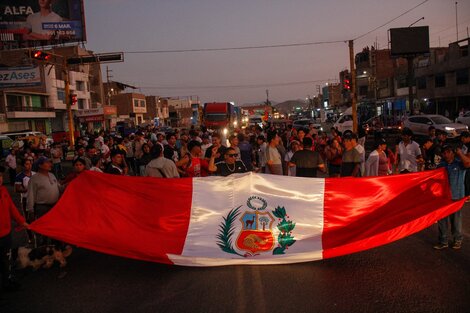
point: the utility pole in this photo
(108, 91)
(353, 85)
(68, 103)
(456, 21)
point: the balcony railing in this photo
(21, 108)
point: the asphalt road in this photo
(405, 276)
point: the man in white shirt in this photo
(408, 153)
(10, 162)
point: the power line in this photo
(392, 20)
(238, 86)
(237, 48)
(298, 44)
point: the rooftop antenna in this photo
(456, 21)
(416, 21)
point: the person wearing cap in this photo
(8, 211)
(456, 163)
(408, 153)
(43, 192)
(43, 189)
(293, 148)
(377, 163)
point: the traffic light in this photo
(40, 55)
(347, 84)
(73, 99)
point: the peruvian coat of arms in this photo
(255, 227)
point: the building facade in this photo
(40, 104)
(130, 106)
(442, 80)
(157, 110)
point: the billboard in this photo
(409, 40)
(19, 76)
(32, 23)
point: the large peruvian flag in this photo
(244, 218)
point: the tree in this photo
(264, 221)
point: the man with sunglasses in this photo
(230, 165)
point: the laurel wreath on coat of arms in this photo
(227, 229)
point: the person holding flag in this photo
(7, 212)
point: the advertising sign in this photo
(30, 23)
(19, 76)
(409, 40)
(109, 110)
(89, 112)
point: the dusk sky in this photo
(244, 75)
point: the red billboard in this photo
(32, 23)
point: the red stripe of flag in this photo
(360, 214)
(135, 217)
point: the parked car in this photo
(381, 126)
(344, 122)
(15, 135)
(420, 124)
(305, 122)
(464, 119)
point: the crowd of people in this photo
(38, 176)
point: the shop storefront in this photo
(90, 120)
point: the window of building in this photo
(80, 85)
(136, 103)
(463, 51)
(363, 90)
(421, 82)
(401, 82)
(142, 103)
(37, 102)
(440, 80)
(462, 76)
(14, 102)
(82, 104)
(61, 94)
